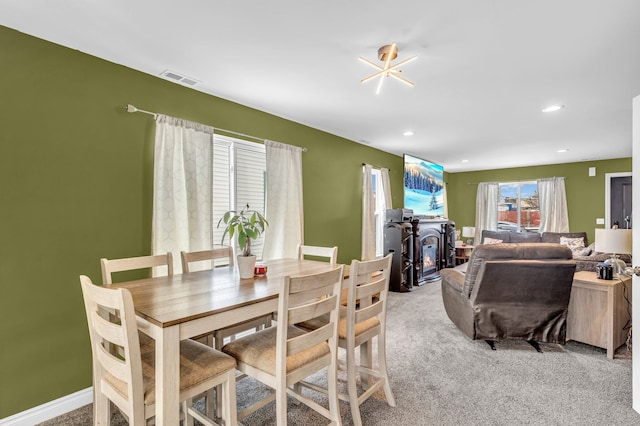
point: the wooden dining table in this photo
(170, 309)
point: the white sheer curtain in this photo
(284, 201)
(554, 215)
(487, 199)
(386, 187)
(182, 187)
(368, 216)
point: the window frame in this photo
(519, 225)
(234, 145)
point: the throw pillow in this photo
(491, 241)
(581, 251)
(572, 242)
(576, 245)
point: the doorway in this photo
(618, 200)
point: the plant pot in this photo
(246, 265)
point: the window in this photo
(380, 210)
(239, 170)
(519, 206)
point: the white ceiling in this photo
(485, 68)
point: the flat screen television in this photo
(423, 187)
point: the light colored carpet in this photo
(440, 377)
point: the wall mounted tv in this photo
(423, 187)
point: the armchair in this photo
(511, 291)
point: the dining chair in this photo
(284, 355)
(363, 318)
(330, 253)
(217, 338)
(205, 255)
(109, 266)
(126, 378)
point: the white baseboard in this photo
(50, 409)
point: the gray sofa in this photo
(584, 262)
(511, 291)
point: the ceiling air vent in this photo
(174, 76)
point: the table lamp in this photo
(470, 233)
(614, 241)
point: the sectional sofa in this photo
(585, 255)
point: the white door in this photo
(636, 250)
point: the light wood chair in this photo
(109, 266)
(205, 255)
(217, 338)
(366, 313)
(330, 253)
(284, 355)
(127, 379)
(362, 319)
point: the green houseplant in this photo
(245, 225)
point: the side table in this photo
(599, 311)
(463, 252)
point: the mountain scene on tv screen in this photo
(423, 192)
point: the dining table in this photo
(172, 308)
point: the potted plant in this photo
(246, 225)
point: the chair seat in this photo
(198, 363)
(259, 350)
(361, 327)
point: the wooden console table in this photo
(598, 311)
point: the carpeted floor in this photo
(440, 377)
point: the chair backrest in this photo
(304, 298)
(115, 346)
(200, 256)
(512, 264)
(368, 286)
(330, 253)
(110, 266)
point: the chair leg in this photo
(366, 360)
(229, 414)
(188, 420)
(281, 404)
(382, 364)
(101, 409)
(334, 403)
(352, 389)
(219, 410)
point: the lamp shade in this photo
(617, 241)
(468, 231)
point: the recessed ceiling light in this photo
(408, 133)
(563, 150)
(464, 161)
(553, 108)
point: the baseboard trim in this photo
(50, 409)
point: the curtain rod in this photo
(519, 180)
(131, 108)
(376, 167)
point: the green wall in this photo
(76, 181)
(585, 194)
(76, 185)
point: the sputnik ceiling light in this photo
(386, 54)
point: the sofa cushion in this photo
(554, 237)
(488, 240)
(526, 237)
(505, 236)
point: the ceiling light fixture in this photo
(562, 150)
(464, 161)
(408, 133)
(553, 108)
(386, 54)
